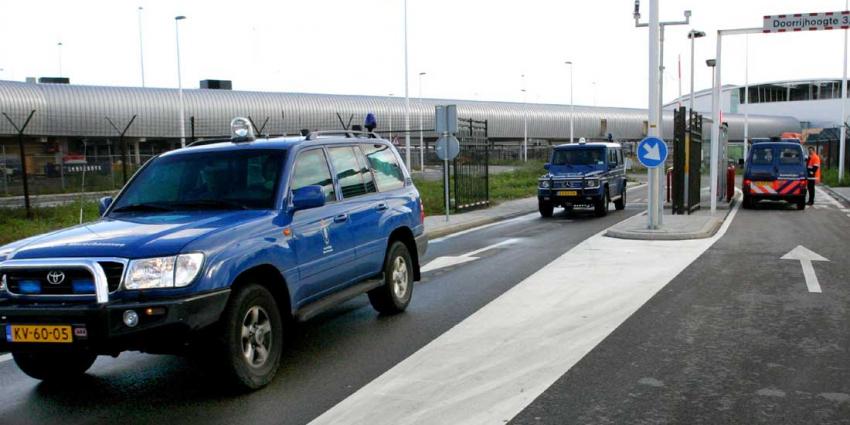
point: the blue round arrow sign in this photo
(652, 152)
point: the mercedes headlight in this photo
(544, 184)
(164, 272)
(592, 183)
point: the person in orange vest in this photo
(813, 167)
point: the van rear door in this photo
(762, 166)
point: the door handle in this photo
(381, 206)
(341, 218)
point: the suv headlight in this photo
(544, 184)
(163, 272)
(591, 183)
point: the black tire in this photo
(250, 363)
(394, 295)
(747, 203)
(801, 203)
(620, 204)
(600, 207)
(546, 208)
(54, 366)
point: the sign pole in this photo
(843, 138)
(652, 208)
(446, 181)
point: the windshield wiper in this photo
(210, 203)
(142, 207)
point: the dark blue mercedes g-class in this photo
(583, 174)
(212, 250)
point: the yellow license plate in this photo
(39, 334)
(567, 193)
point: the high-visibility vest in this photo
(814, 161)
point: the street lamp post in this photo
(391, 118)
(524, 121)
(406, 96)
(421, 130)
(843, 134)
(59, 53)
(572, 105)
(141, 49)
(177, 20)
(693, 35)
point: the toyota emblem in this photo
(55, 277)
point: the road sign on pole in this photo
(447, 147)
(652, 152)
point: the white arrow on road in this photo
(441, 262)
(806, 256)
(652, 152)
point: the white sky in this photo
(471, 49)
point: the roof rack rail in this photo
(201, 142)
(313, 135)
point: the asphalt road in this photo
(327, 359)
(736, 338)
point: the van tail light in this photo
(747, 182)
(421, 211)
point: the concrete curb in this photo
(451, 229)
(708, 229)
(492, 219)
(835, 194)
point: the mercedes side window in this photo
(311, 168)
(388, 173)
(349, 172)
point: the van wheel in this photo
(252, 338)
(54, 366)
(546, 208)
(600, 206)
(747, 202)
(801, 203)
(394, 295)
(620, 204)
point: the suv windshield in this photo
(220, 180)
(579, 157)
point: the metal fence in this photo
(52, 174)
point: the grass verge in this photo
(519, 183)
(829, 177)
(14, 224)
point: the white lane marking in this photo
(5, 358)
(489, 367)
(441, 262)
(821, 194)
(527, 217)
(805, 256)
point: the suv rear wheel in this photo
(620, 204)
(600, 206)
(394, 295)
(54, 366)
(252, 338)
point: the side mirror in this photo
(103, 204)
(546, 166)
(308, 197)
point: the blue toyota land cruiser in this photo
(583, 174)
(211, 250)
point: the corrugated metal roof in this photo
(81, 111)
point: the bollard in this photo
(730, 182)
